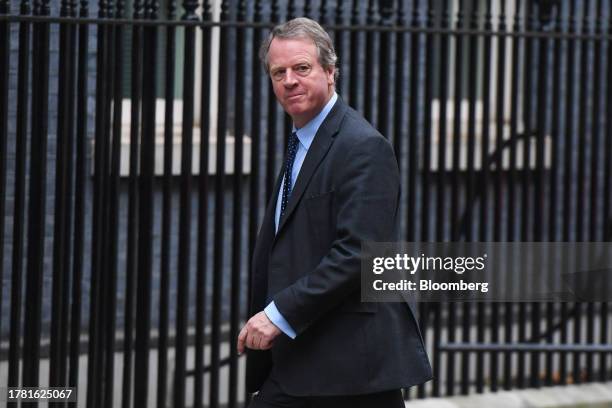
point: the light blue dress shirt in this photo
(305, 135)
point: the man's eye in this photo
(278, 74)
(303, 68)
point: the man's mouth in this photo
(294, 97)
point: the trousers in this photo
(272, 396)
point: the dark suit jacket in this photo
(347, 192)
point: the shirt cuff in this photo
(279, 321)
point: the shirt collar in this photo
(307, 133)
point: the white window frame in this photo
(160, 104)
(492, 124)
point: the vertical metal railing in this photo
(554, 181)
(500, 88)
(237, 205)
(604, 326)
(355, 37)
(368, 70)
(184, 248)
(202, 233)
(219, 227)
(63, 204)
(37, 198)
(79, 193)
(398, 99)
(133, 205)
(97, 240)
(483, 188)
(272, 114)
(145, 202)
(23, 69)
(166, 222)
(5, 38)
(512, 181)
(441, 188)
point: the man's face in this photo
(301, 84)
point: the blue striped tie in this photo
(287, 187)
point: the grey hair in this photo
(303, 27)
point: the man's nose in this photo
(290, 79)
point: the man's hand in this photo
(258, 333)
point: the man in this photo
(311, 342)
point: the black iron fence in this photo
(139, 142)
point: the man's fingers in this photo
(250, 342)
(253, 336)
(241, 338)
(266, 344)
(243, 334)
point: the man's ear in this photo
(330, 75)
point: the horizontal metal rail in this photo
(516, 347)
(343, 27)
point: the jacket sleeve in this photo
(367, 197)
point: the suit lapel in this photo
(263, 246)
(318, 149)
(268, 221)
